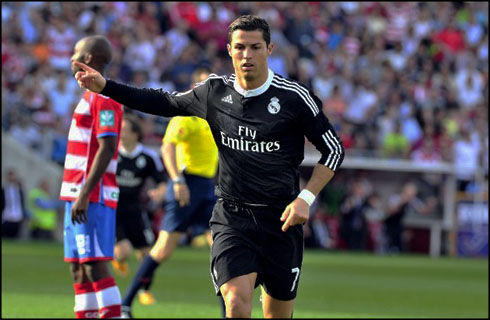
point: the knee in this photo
(237, 305)
(96, 271)
(160, 255)
(76, 272)
(90, 271)
(122, 251)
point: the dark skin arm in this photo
(107, 148)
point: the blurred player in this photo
(90, 190)
(135, 165)
(259, 121)
(191, 159)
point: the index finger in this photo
(83, 66)
(287, 224)
(74, 219)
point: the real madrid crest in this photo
(141, 162)
(274, 106)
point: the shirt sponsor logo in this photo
(107, 118)
(243, 144)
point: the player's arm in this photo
(107, 148)
(152, 101)
(169, 155)
(323, 136)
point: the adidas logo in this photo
(227, 99)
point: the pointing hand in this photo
(89, 78)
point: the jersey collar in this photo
(254, 92)
(137, 150)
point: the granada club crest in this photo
(274, 106)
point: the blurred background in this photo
(405, 84)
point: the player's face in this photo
(127, 134)
(249, 54)
(77, 56)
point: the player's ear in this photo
(270, 47)
(229, 48)
(87, 58)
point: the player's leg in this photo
(238, 295)
(86, 305)
(95, 291)
(282, 259)
(201, 223)
(235, 263)
(165, 245)
(174, 224)
(99, 251)
(122, 248)
(145, 297)
(122, 251)
(160, 252)
(274, 308)
(142, 239)
(141, 253)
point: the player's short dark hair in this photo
(135, 125)
(250, 23)
(100, 48)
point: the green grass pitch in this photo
(36, 283)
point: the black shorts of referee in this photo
(249, 239)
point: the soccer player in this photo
(135, 165)
(90, 190)
(259, 120)
(191, 159)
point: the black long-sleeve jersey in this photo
(133, 168)
(259, 133)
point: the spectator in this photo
(62, 96)
(398, 207)
(353, 223)
(396, 145)
(60, 142)
(140, 54)
(26, 132)
(450, 39)
(299, 29)
(362, 105)
(61, 38)
(444, 45)
(427, 154)
(466, 152)
(469, 93)
(43, 210)
(13, 206)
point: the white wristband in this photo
(306, 195)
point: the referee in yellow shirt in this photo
(191, 158)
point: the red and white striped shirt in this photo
(400, 16)
(94, 117)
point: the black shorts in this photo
(249, 239)
(134, 225)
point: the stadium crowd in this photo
(397, 79)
